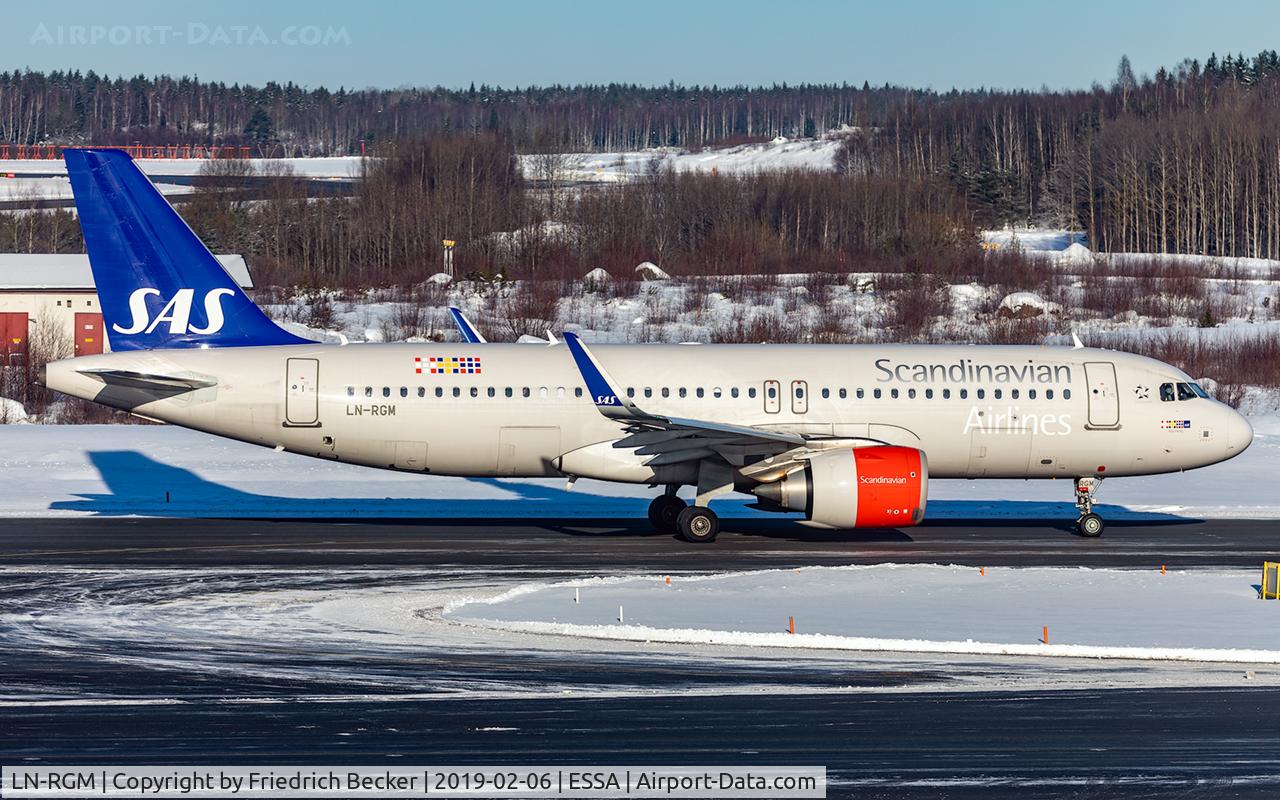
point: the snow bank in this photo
(1077, 253)
(649, 271)
(11, 411)
(599, 276)
(1181, 616)
(1028, 304)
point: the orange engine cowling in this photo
(881, 486)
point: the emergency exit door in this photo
(302, 395)
(799, 397)
(772, 397)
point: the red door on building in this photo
(13, 338)
(88, 334)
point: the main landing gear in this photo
(670, 514)
(1089, 524)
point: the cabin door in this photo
(1104, 395)
(302, 392)
(772, 397)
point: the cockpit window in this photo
(1185, 392)
(1200, 392)
(1166, 392)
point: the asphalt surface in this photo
(196, 641)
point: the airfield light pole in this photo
(448, 255)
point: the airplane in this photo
(847, 435)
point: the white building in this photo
(55, 294)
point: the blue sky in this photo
(357, 44)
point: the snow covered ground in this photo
(343, 167)
(18, 189)
(119, 470)
(1191, 616)
(779, 154)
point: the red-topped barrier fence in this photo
(53, 152)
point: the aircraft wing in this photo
(613, 403)
(470, 334)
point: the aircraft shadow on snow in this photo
(137, 484)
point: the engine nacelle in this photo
(859, 487)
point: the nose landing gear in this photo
(1089, 524)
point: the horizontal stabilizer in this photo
(144, 380)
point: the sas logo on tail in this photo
(177, 312)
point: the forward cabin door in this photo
(1104, 395)
(302, 395)
(88, 334)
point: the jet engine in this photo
(880, 486)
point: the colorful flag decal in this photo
(448, 365)
(1175, 424)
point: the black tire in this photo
(663, 512)
(1091, 525)
(698, 524)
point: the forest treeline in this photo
(1185, 160)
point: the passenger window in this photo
(560, 392)
(1013, 393)
(648, 391)
(996, 393)
(492, 391)
(733, 392)
(1066, 394)
(876, 394)
(982, 393)
(928, 394)
(1048, 394)
(773, 393)
(1166, 392)
(751, 392)
(439, 391)
(826, 393)
(1031, 394)
(893, 393)
(799, 393)
(475, 392)
(861, 394)
(386, 391)
(844, 394)
(964, 394)
(457, 391)
(368, 391)
(524, 391)
(422, 391)
(716, 393)
(351, 391)
(404, 391)
(946, 394)
(507, 391)
(682, 392)
(543, 393)
(1185, 393)
(911, 394)
(666, 392)
(698, 391)
(631, 391)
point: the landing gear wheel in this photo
(663, 512)
(1091, 525)
(698, 524)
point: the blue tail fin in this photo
(158, 284)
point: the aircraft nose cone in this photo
(1239, 433)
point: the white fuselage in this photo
(522, 410)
